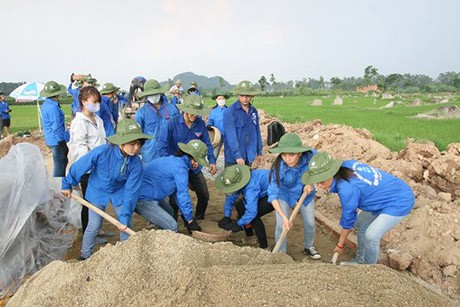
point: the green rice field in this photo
(391, 127)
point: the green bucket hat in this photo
(92, 81)
(108, 88)
(151, 87)
(78, 83)
(128, 130)
(290, 143)
(197, 149)
(321, 167)
(226, 95)
(246, 88)
(233, 178)
(52, 89)
(193, 104)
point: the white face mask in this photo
(221, 102)
(93, 107)
(154, 98)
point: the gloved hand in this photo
(234, 227)
(209, 127)
(223, 222)
(193, 225)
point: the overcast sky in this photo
(117, 40)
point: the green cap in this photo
(128, 130)
(290, 143)
(109, 88)
(197, 149)
(151, 87)
(52, 88)
(233, 178)
(321, 167)
(246, 88)
(225, 94)
(193, 104)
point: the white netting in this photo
(35, 224)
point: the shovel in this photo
(291, 219)
(102, 213)
(334, 258)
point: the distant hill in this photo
(204, 83)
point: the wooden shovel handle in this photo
(102, 213)
(334, 258)
(291, 219)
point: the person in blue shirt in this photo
(79, 81)
(193, 89)
(176, 98)
(167, 176)
(384, 201)
(53, 120)
(185, 127)
(109, 97)
(153, 117)
(5, 116)
(243, 141)
(286, 188)
(253, 185)
(216, 118)
(115, 177)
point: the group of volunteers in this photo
(148, 164)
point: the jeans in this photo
(218, 147)
(94, 225)
(60, 159)
(159, 213)
(263, 208)
(308, 218)
(371, 228)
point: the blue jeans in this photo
(371, 228)
(308, 219)
(94, 225)
(159, 213)
(60, 159)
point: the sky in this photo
(117, 40)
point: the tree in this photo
(370, 74)
(263, 82)
(272, 79)
(335, 81)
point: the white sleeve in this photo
(78, 139)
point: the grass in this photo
(391, 127)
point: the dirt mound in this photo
(164, 268)
(444, 112)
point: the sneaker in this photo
(312, 253)
(250, 240)
(100, 241)
(106, 234)
(81, 258)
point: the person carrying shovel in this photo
(383, 199)
(286, 188)
(115, 177)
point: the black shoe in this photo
(312, 253)
(81, 258)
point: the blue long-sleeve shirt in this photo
(4, 110)
(371, 190)
(106, 116)
(114, 178)
(166, 176)
(216, 118)
(152, 121)
(53, 120)
(177, 131)
(75, 105)
(291, 186)
(256, 189)
(242, 134)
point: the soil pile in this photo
(427, 242)
(164, 268)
